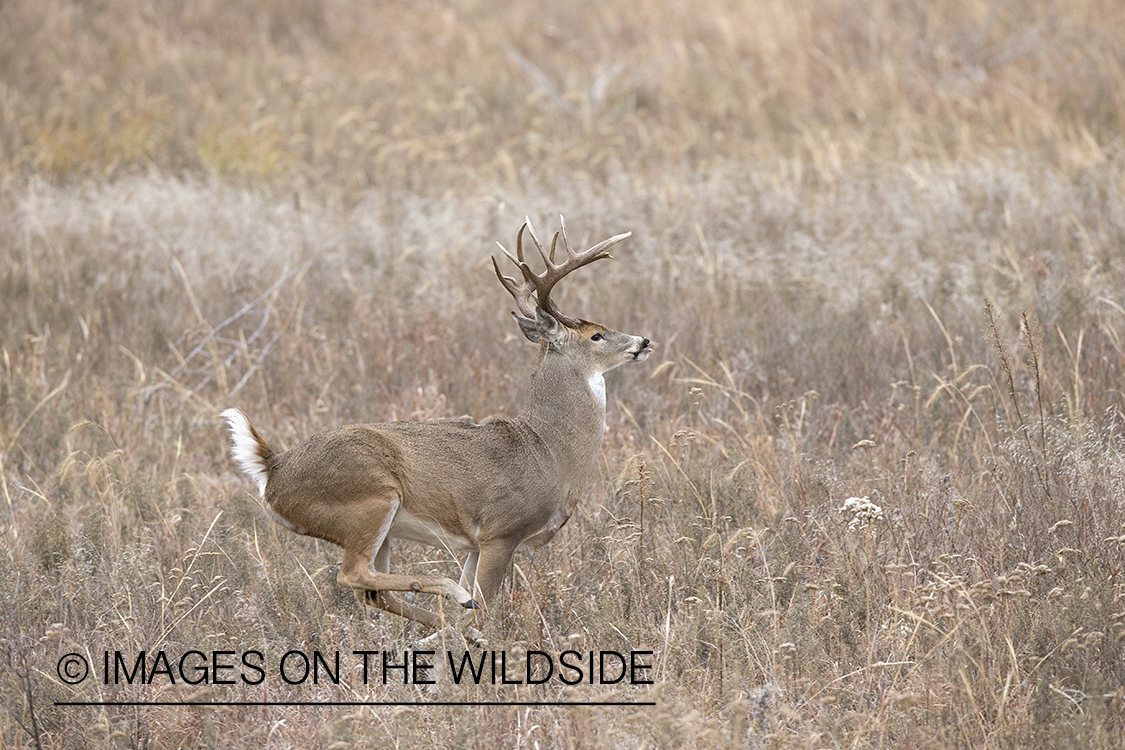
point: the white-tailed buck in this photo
(485, 489)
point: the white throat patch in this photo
(597, 387)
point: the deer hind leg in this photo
(360, 570)
(387, 602)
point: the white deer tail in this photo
(250, 449)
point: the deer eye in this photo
(596, 337)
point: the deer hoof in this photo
(471, 605)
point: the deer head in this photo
(592, 346)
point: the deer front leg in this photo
(491, 567)
(469, 574)
(482, 574)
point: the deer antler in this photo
(539, 286)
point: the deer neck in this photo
(566, 409)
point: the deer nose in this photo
(645, 343)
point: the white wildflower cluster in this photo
(864, 513)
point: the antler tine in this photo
(505, 251)
(518, 260)
(566, 240)
(555, 241)
(507, 281)
(521, 293)
(600, 249)
(535, 239)
(519, 241)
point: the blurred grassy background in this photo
(421, 94)
(288, 207)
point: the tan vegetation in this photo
(847, 503)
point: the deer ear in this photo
(528, 328)
(546, 324)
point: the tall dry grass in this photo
(879, 251)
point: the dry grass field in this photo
(880, 247)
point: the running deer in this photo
(485, 490)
